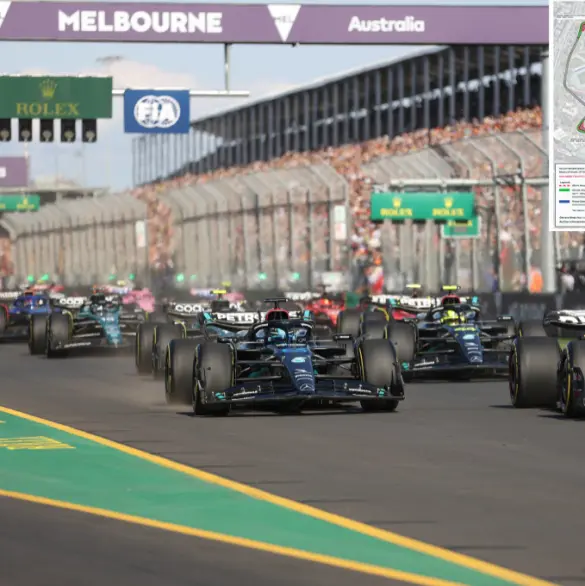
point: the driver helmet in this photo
(452, 317)
(276, 336)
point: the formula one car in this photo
(180, 320)
(547, 363)
(277, 364)
(447, 341)
(16, 310)
(323, 305)
(452, 341)
(98, 322)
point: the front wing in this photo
(258, 391)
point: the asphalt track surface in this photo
(454, 466)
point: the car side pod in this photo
(532, 373)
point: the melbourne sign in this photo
(456, 206)
(273, 23)
(55, 97)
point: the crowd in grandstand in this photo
(365, 241)
(348, 160)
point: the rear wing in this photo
(186, 309)
(69, 302)
(9, 295)
(570, 319)
(243, 317)
(415, 303)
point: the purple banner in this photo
(275, 23)
(13, 172)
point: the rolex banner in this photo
(457, 206)
(55, 97)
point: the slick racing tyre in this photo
(379, 367)
(570, 380)
(37, 333)
(179, 370)
(373, 329)
(214, 373)
(143, 347)
(404, 338)
(163, 334)
(532, 374)
(531, 329)
(3, 319)
(348, 322)
(376, 315)
(58, 332)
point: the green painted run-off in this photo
(97, 476)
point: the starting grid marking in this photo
(33, 443)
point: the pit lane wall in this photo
(287, 226)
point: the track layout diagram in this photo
(569, 82)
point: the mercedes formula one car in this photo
(278, 364)
(96, 323)
(452, 341)
(547, 363)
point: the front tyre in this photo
(143, 347)
(163, 334)
(214, 373)
(179, 371)
(58, 333)
(37, 334)
(532, 372)
(379, 367)
(571, 383)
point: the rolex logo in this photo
(396, 202)
(48, 88)
(448, 202)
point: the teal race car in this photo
(97, 323)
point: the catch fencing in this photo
(291, 223)
(76, 241)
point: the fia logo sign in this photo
(156, 111)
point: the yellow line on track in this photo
(239, 541)
(388, 536)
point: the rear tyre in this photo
(533, 372)
(179, 371)
(348, 322)
(37, 333)
(378, 365)
(376, 315)
(163, 334)
(531, 329)
(373, 329)
(58, 332)
(214, 373)
(403, 336)
(143, 347)
(571, 382)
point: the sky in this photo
(262, 70)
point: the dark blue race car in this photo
(453, 341)
(16, 309)
(279, 364)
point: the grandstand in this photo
(445, 104)
(277, 190)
